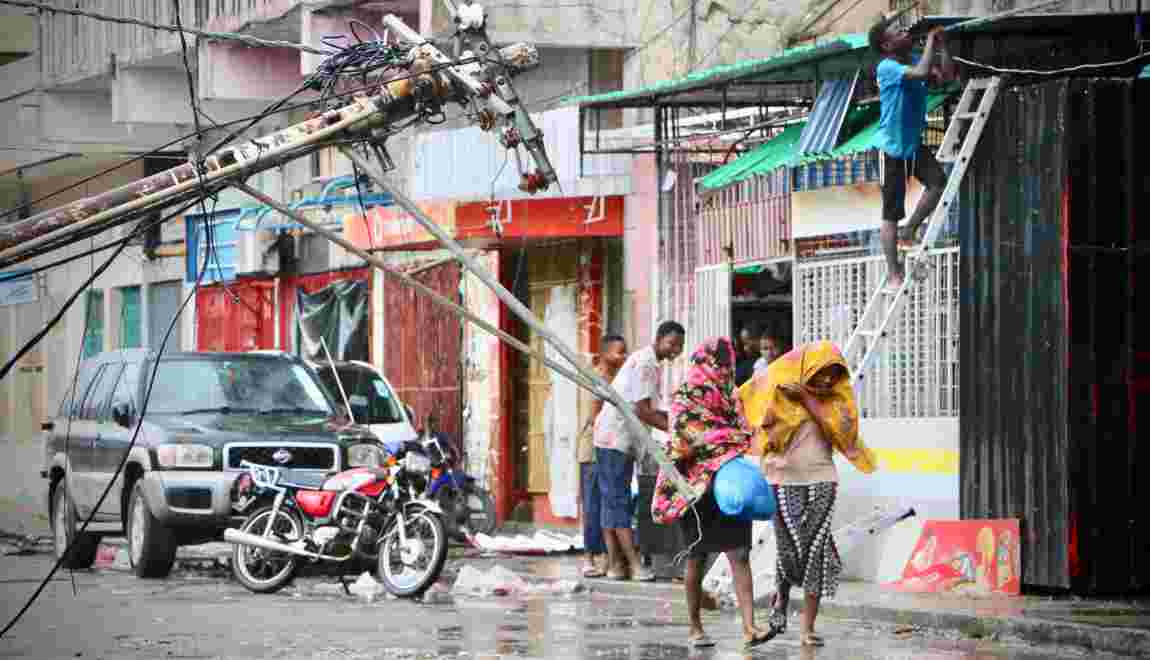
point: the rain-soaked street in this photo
(205, 614)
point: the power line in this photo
(278, 107)
(136, 433)
(218, 36)
(141, 229)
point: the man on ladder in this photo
(902, 80)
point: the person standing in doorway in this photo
(612, 355)
(749, 339)
(770, 347)
(902, 80)
(616, 447)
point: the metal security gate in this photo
(713, 305)
(918, 374)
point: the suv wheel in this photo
(151, 546)
(83, 546)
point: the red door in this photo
(238, 317)
(423, 344)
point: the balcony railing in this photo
(76, 48)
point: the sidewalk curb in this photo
(1122, 641)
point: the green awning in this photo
(830, 58)
(861, 124)
(765, 158)
(753, 269)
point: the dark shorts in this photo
(615, 471)
(895, 172)
(718, 531)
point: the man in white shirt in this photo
(616, 448)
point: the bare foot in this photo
(893, 283)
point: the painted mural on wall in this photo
(964, 556)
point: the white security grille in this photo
(917, 373)
(713, 307)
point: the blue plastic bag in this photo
(742, 492)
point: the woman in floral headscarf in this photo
(707, 430)
(805, 409)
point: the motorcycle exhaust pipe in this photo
(243, 538)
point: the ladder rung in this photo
(980, 83)
(868, 333)
(966, 115)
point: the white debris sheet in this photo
(763, 551)
(500, 581)
(543, 542)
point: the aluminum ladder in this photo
(869, 336)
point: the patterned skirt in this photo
(807, 556)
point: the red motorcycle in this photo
(372, 514)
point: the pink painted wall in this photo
(641, 248)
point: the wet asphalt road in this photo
(115, 615)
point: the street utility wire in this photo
(135, 434)
(278, 107)
(219, 36)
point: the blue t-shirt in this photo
(903, 109)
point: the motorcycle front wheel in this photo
(408, 568)
(267, 571)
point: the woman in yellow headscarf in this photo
(803, 409)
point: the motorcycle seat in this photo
(306, 479)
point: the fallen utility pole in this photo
(478, 76)
(408, 280)
(635, 426)
(391, 102)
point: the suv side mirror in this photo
(122, 414)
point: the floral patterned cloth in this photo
(707, 427)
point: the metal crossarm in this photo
(870, 334)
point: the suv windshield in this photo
(369, 395)
(237, 385)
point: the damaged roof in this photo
(860, 129)
(746, 82)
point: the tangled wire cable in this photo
(353, 61)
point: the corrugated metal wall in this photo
(752, 218)
(1048, 411)
(1109, 162)
(424, 346)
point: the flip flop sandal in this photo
(811, 640)
(777, 619)
(592, 572)
(643, 576)
(703, 642)
(614, 575)
(761, 637)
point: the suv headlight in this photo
(364, 455)
(185, 456)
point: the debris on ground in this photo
(18, 545)
(438, 594)
(500, 581)
(113, 557)
(366, 588)
(205, 567)
(543, 542)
